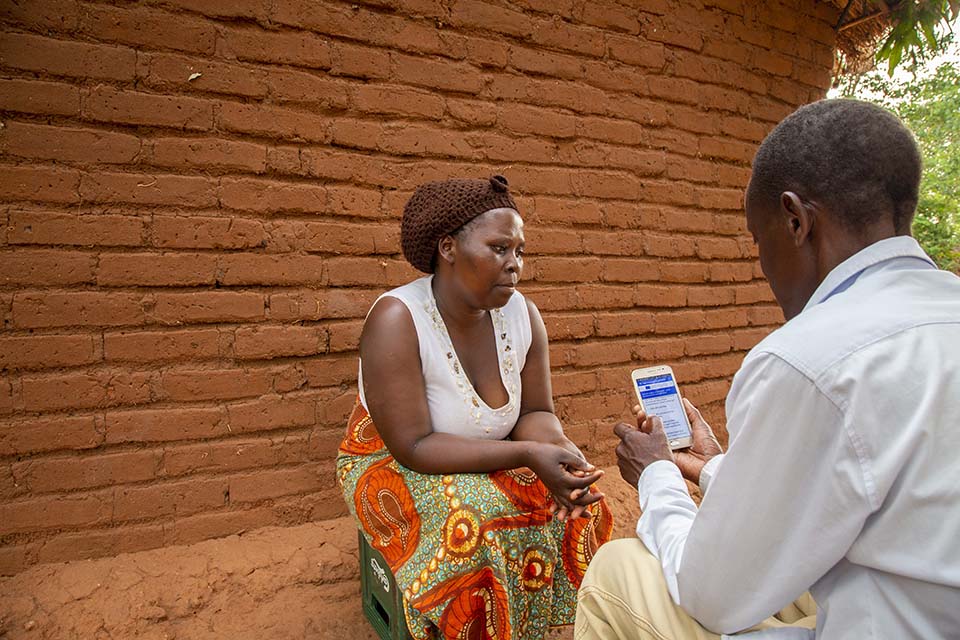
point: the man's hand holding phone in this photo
(640, 445)
(705, 446)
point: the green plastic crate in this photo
(382, 600)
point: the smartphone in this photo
(658, 394)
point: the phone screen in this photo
(661, 398)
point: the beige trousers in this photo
(624, 595)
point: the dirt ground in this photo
(277, 583)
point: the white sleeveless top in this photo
(455, 406)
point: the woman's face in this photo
(486, 257)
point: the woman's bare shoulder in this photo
(389, 320)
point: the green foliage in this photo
(929, 104)
(916, 24)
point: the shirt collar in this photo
(844, 273)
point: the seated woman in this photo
(467, 485)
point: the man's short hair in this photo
(854, 158)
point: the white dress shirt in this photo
(843, 472)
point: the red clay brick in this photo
(764, 316)
(170, 498)
(45, 267)
(56, 15)
(393, 100)
(149, 27)
(672, 246)
(754, 293)
(731, 272)
(150, 346)
(215, 384)
(30, 96)
(627, 243)
(133, 188)
(272, 413)
(331, 370)
(549, 269)
(186, 530)
(274, 483)
(77, 308)
(87, 390)
(47, 351)
(558, 240)
(574, 382)
(234, 455)
(609, 15)
(212, 153)
(101, 542)
(165, 425)
(679, 321)
(473, 13)
(208, 306)
(364, 272)
(256, 9)
(629, 270)
(707, 344)
(173, 72)
(359, 61)
(296, 48)
(344, 336)
(603, 297)
(747, 339)
(662, 296)
(684, 272)
(725, 318)
(65, 58)
(47, 227)
(311, 304)
(589, 354)
(69, 473)
(626, 323)
(40, 184)
(545, 122)
(202, 232)
(62, 143)
(152, 269)
(37, 435)
(710, 296)
(283, 270)
(412, 139)
(301, 87)
(636, 52)
(107, 104)
(54, 512)
(270, 196)
(271, 121)
(261, 342)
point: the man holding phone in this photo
(842, 476)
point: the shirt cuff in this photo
(708, 472)
(660, 474)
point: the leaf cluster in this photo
(918, 28)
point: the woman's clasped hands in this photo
(567, 475)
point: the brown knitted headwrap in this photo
(438, 208)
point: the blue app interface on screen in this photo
(660, 398)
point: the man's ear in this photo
(447, 249)
(800, 217)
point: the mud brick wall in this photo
(201, 201)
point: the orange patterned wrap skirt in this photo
(475, 554)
